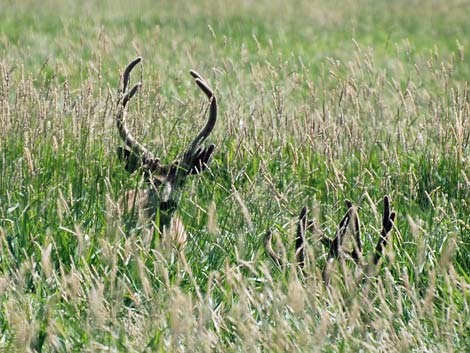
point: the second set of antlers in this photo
(164, 183)
(349, 227)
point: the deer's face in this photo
(159, 182)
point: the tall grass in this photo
(318, 103)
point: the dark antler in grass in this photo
(303, 225)
(336, 251)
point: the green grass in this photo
(317, 104)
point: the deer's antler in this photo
(350, 222)
(350, 219)
(125, 96)
(387, 224)
(164, 180)
(195, 158)
(303, 224)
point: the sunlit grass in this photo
(318, 104)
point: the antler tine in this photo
(342, 228)
(302, 226)
(201, 82)
(131, 142)
(269, 249)
(337, 242)
(387, 225)
(127, 96)
(196, 74)
(310, 226)
(357, 250)
(300, 238)
(127, 72)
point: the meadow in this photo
(319, 102)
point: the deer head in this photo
(349, 224)
(160, 198)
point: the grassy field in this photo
(317, 104)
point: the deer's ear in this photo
(131, 160)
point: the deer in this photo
(336, 249)
(158, 200)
